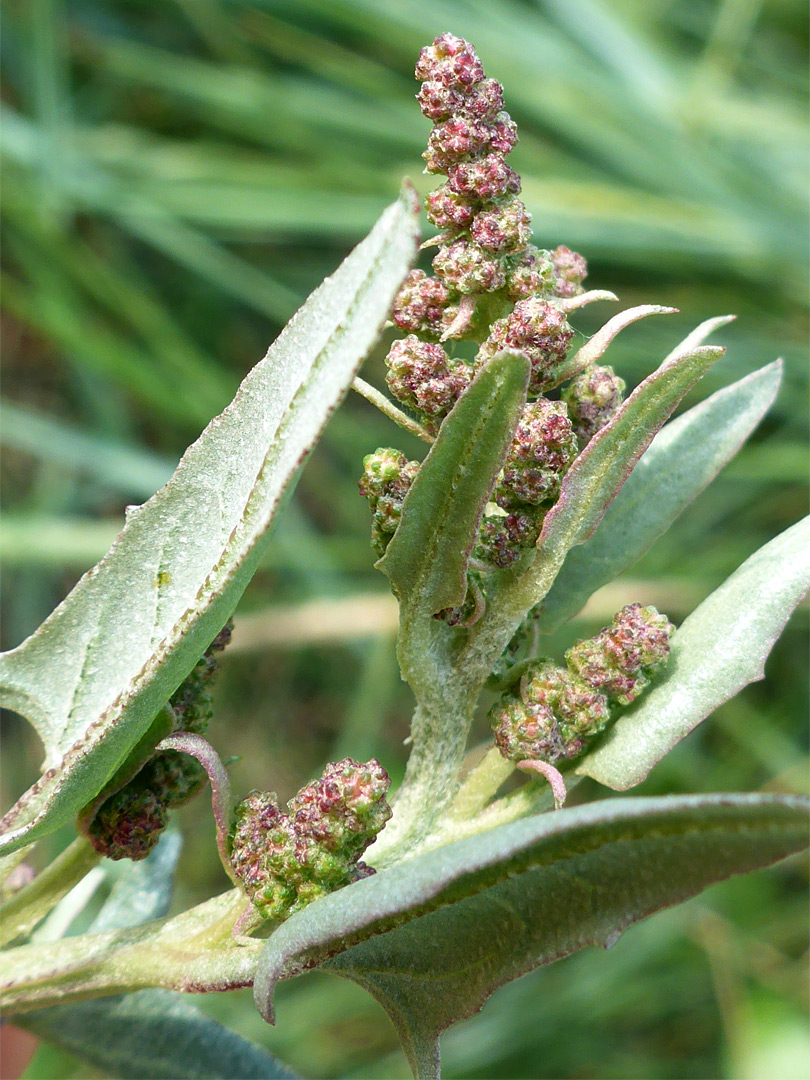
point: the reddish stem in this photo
(221, 803)
(554, 777)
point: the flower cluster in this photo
(128, 824)
(491, 286)
(557, 710)
(621, 660)
(387, 476)
(593, 398)
(285, 859)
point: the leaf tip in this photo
(410, 197)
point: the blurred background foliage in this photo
(177, 177)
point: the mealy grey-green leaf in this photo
(461, 869)
(94, 675)
(717, 651)
(153, 1035)
(682, 459)
(598, 869)
(589, 487)
(598, 474)
(426, 561)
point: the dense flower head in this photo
(285, 859)
(551, 718)
(622, 658)
(420, 304)
(503, 538)
(529, 732)
(528, 273)
(541, 452)
(451, 61)
(570, 270)
(484, 179)
(504, 228)
(593, 398)
(468, 268)
(454, 140)
(580, 710)
(422, 376)
(537, 328)
(345, 808)
(387, 476)
(128, 824)
(448, 210)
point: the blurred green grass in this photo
(178, 176)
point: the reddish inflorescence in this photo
(542, 450)
(558, 710)
(491, 286)
(128, 824)
(537, 328)
(422, 376)
(285, 859)
(622, 658)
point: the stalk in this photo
(25, 908)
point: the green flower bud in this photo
(593, 398)
(285, 860)
(504, 538)
(387, 476)
(174, 777)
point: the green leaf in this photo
(600, 471)
(94, 675)
(426, 561)
(590, 485)
(718, 650)
(682, 459)
(594, 870)
(153, 1034)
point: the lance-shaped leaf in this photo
(718, 650)
(94, 675)
(586, 872)
(426, 561)
(682, 459)
(609, 865)
(597, 475)
(589, 487)
(153, 1034)
(594, 349)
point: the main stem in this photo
(193, 952)
(24, 909)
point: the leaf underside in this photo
(94, 675)
(154, 1035)
(496, 905)
(681, 460)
